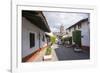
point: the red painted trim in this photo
(33, 55)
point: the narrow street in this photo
(64, 53)
(59, 53)
(43, 34)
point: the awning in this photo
(65, 36)
(49, 34)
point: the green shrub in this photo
(48, 51)
(53, 39)
(77, 37)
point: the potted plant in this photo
(48, 54)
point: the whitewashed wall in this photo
(28, 27)
(85, 33)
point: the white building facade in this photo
(84, 27)
(33, 37)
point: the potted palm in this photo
(48, 53)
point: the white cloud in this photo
(56, 19)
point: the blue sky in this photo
(56, 19)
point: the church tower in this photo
(62, 30)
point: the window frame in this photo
(31, 33)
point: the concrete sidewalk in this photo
(54, 56)
(38, 57)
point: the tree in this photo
(77, 37)
(53, 39)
